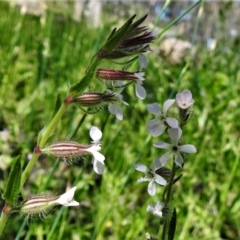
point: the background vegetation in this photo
(42, 55)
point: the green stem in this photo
(43, 141)
(3, 221)
(169, 193)
(178, 18)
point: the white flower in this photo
(114, 107)
(174, 148)
(95, 147)
(184, 99)
(139, 89)
(157, 126)
(157, 209)
(150, 176)
(66, 199)
(41, 205)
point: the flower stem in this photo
(50, 128)
(169, 193)
(3, 221)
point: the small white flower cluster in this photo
(163, 123)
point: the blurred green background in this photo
(44, 49)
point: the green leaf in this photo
(80, 86)
(177, 178)
(57, 106)
(172, 225)
(12, 187)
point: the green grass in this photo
(40, 61)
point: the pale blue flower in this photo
(151, 176)
(157, 126)
(174, 149)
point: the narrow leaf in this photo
(177, 178)
(80, 86)
(12, 187)
(172, 225)
(57, 106)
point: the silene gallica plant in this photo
(124, 45)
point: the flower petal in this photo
(156, 164)
(66, 199)
(151, 188)
(167, 105)
(188, 148)
(143, 61)
(172, 122)
(175, 134)
(162, 145)
(154, 108)
(150, 208)
(160, 180)
(164, 158)
(155, 127)
(178, 160)
(141, 168)
(98, 166)
(143, 179)
(95, 133)
(140, 91)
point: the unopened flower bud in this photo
(113, 77)
(135, 41)
(41, 205)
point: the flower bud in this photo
(94, 102)
(66, 150)
(115, 76)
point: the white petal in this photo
(140, 76)
(162, 145)
(143, 179)
(154, 108)
(157, 213)
(98, 156)
(167, 105)
(140, 91)
(151, 188)
(66, 199)
(112, 108)
(188, 148)
(175, 134)
(172, 122)
(178, 160)
(95, 133)
(164, 158)
(159, 206)
(98, 166)
(119, 113)
(141, 168)
(160, 180)
(150, 208)
(142, 60)
(156, 164)
(155, 127)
